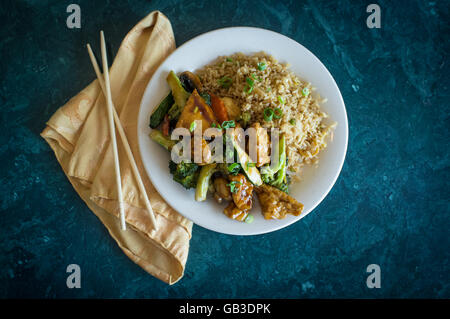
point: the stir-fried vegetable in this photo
(206, 97)
(174, 112)
(275, 174)
(252, 172)
(190, 82)
(162, 140)
(203, 181)
(162, 109)
(179, 93)
(219, 108)
(186, 174)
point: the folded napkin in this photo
(78, 134)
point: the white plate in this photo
(202, 50)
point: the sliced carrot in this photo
(165, 125)
(219, 109)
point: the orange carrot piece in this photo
(220, 111)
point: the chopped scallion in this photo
(234, 168)
(254, 77)
(277, 113)
(249, 219)
(233, 187)
(248, 89)
(225, 82)
(268, 114)
(193, 126)
(228, 124)
(262, 66)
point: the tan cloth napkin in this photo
(78, 134)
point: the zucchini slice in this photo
(179, 93)
(251, 171)
(162, 109)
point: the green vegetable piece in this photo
(262, 66)
(281, 100)
(193, 126)
(179, 93)
(276, 176)
(249, 219)
(268, 114)
(203, 181)
(249, 81)
(233, 187)
(186, 174)
(228, 124)
(277, 113)
(252, 172)
(158, 114)
(229, 59)
(225, 82)
(305, 92)
(248, 89)
(206, 97)
(254, 77)
(174, 112)
(162, 140)
(234, 168)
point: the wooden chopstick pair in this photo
(114, 118)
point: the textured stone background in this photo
(390, 205)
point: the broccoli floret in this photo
(184, 173)
(187, 182)
(276, 176)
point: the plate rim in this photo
(346, 130)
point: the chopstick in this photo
(112, 131)
(124, 139)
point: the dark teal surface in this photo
(390, 205)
